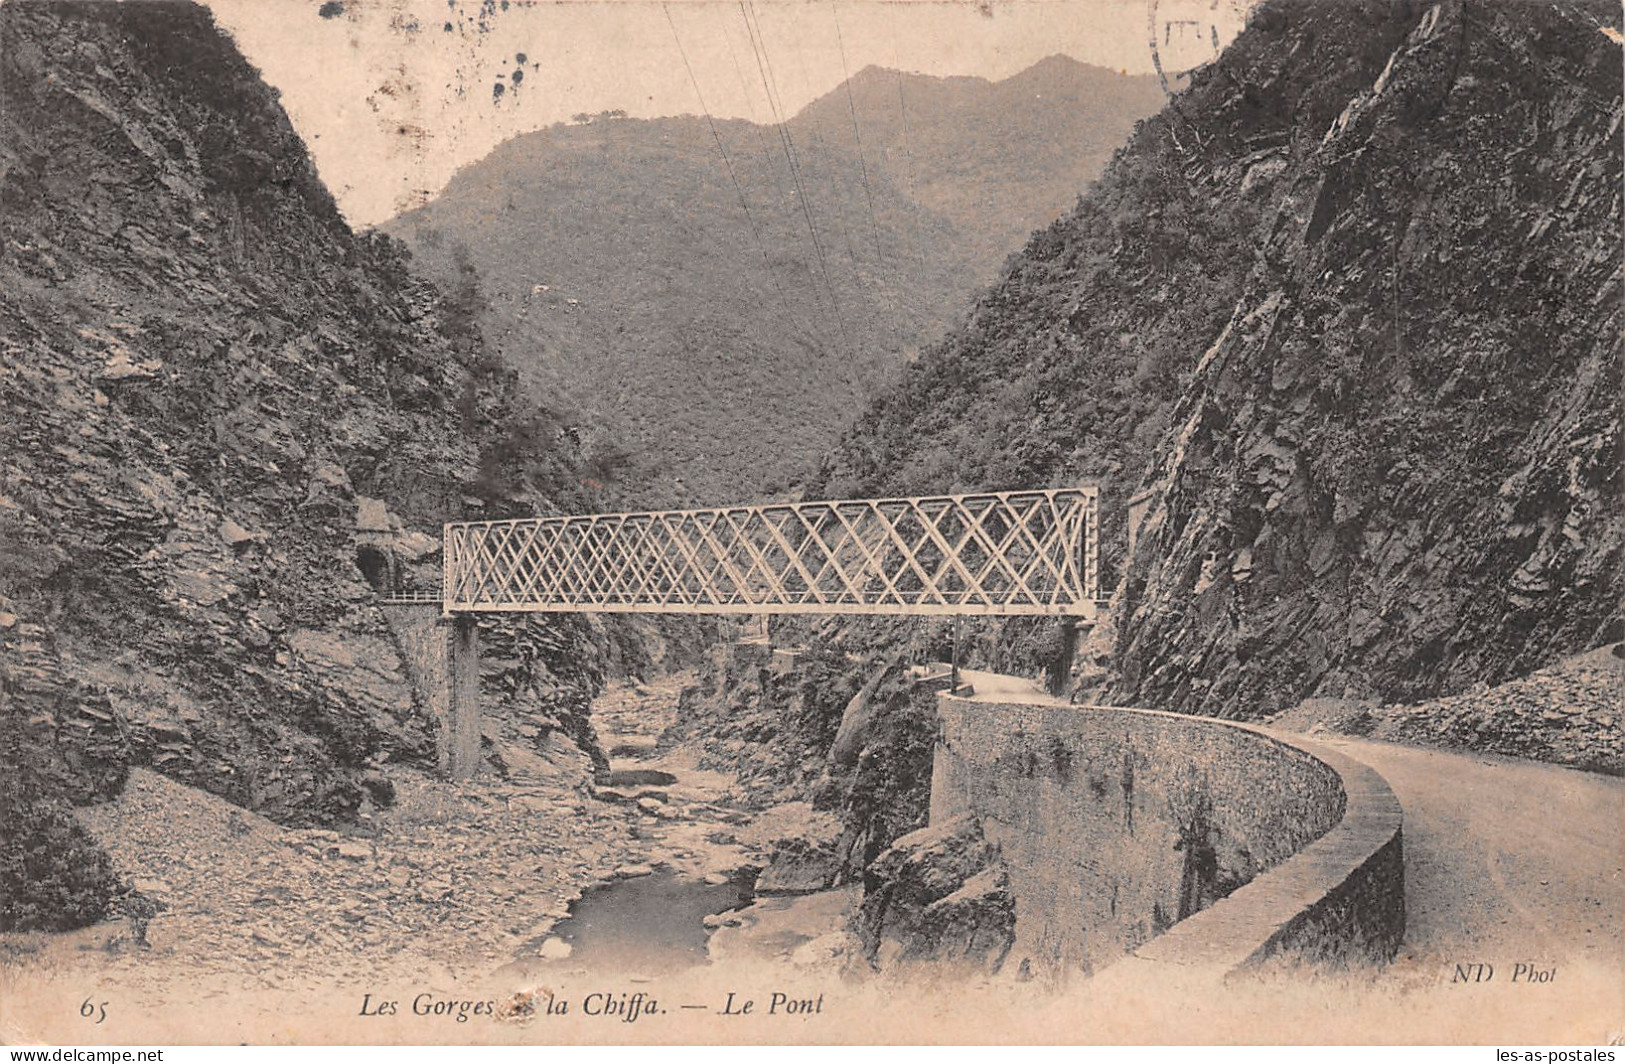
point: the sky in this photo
(392, 96)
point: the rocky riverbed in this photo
(706, 849)
(451, 878)
(450, 883)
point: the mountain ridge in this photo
(722, 329)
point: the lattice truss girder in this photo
(1002, 553)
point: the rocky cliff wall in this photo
(1396, 471)
(224, 413)
(1349, 308)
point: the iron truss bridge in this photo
(1009, 553)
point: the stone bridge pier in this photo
(442, 657)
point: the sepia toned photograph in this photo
(812, 522)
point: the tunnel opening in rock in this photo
(374, 564)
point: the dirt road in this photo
(1506, 861)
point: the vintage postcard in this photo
(808, 522)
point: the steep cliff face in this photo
(223, 414)
(1348, 307)
(1397, 470)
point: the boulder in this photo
(939, 895)
(849, 739)
(799, 866)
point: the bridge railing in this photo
(998, 553)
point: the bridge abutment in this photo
(442, 658)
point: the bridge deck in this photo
(1014, 553)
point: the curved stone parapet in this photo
(1173, 839)
(1341, 898)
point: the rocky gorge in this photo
(1373, 453)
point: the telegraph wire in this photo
(764, 66)
(857, 137)
(744, 87)
(733, 177)
(786, 142)
(761, 130)
(902, 111)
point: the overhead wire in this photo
(733, 177)
(761, 129)
(764, 65)
(823, 147)
(744, 86)
(902, 111)
(857, 136)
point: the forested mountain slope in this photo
(613, 262)
(723, 311)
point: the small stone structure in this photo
(1172, 839)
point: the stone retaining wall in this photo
(1177, 839)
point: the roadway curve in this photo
(1506, 861)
